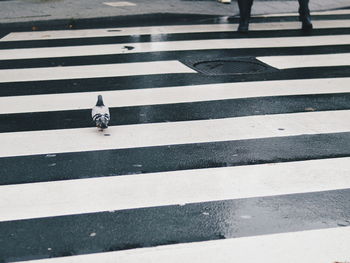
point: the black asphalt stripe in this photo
(66, 166)
(291, 18)
(170, 55)
(158, 19)
(155, 19)
(154, 226)
(176, 112)
(167, 37)
(161, 80)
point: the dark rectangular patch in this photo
(149, 227)
(40, 168)
(176, 112)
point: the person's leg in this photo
(245, 7)
(304, 14)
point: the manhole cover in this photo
(230, 66)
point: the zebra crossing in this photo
(194, 167)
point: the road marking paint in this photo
(172, 133)
(35, 200)
(297, 61)
(212, 44)
(313, 13)
(93, 71)
(119, 4)
(180, 94)
(127, 31)
(322, 245)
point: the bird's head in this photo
(102, 122)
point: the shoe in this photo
(243, 26)
(304, 15)
(306, 23)
(245, 7)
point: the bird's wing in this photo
(98, 110)
(94, 111)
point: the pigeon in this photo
(100, 114)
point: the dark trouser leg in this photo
(304, 14)
(245, 7)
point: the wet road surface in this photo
(199, 162)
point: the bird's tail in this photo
(99, 101)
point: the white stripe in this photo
(127, 31)
(181, 94)
(59, 198)
(332, 12)
(93, 71)
(313, 13)
(144, 135)
(121, 31)
(72, 51)
(322, 246)
(317, 24)
(119, 4)
(327, 60)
